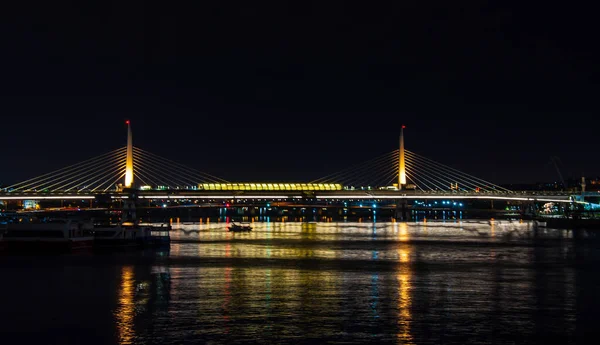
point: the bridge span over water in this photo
(131, 171)
(297, 195)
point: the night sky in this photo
(278, 91)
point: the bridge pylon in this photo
(401, 165)
(129, 158)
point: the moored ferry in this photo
(62, 235)
(130, 234)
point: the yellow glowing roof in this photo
(270, 186)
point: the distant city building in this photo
(572, 185)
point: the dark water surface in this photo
(469, 282)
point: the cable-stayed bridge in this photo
(400, 174)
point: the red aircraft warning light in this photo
(403, 126)
(127, 122)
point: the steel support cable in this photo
(168, 168)
(157, 177)
(388, 178)
(424, 183)
(115, 170)
(346, 171)
(152, 183)
(101, 177)
(66, 178)
(453, 175)
(139, 177)
(434, 180)
(114, 182)
(385, 177)
(419, 175)
(107, 178)
(160, 170)
(159, 174)
(328, 177)
(153, 179)
(363, 178)
(424, 177)
(458, 171)
(172, 169)
(355, 171)
(158, 180)
(149, 175)
(191, 171)
(419, 182)
(52, 173)
(422, 180)
(110, 169)
(342, 175)
(218, 179)
(359, 176)
(431, 172)
(93, 171)
(413, 182)
(59, 172)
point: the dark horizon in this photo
(293, 93)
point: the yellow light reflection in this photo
(126, 311)
(404, 292)
(404, 304)
(404, 255)
(403, 235)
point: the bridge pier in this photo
(529, 209)
(401, 211)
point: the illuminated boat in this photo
(239, 227)
(55, 235)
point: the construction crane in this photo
(554, 160)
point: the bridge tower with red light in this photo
(401, 165)
(129, 158)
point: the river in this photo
(454, 282)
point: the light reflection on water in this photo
(126, 310)
(463, 282)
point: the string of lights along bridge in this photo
(395, 175)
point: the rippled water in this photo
(469, 282)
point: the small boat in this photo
(54, 235)
(239, 227)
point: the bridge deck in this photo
(274, 195)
